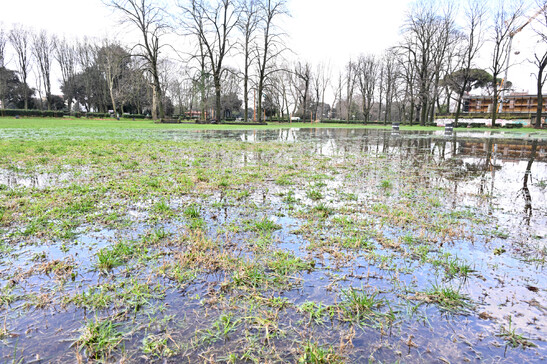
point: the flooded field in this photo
(291, 245)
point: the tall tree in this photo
(391, 71)
(351, 78)
(148, 17)
(111, 59)
(20, 40)
(213, 24)
(505, 18)
(420, 29)
(473, 41)
(65, 53)
(367, 70)
(43, 49)
(271, 44)
(302, 83)
(445, 40)
(247, 25)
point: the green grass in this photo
(99, 338)
(192, 211)
(221, 328)
(448, 298)
(313, 353)
(358, 305)
(314, 195)
(265, 225)
(315, 311)
(513, 339)
(156, 345)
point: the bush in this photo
(32, 113)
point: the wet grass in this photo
(99, 338)
(143, 249)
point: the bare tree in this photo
(428, 34)
(473, 41)
(43, 48)
(148, 17)
(271, 45)
(446, 39)
(20, 40)
(325, 76)
(351, 77)
(316, 86)
(111, 58)
(420, 30)
(302, 82)
(247, 25)
(367, 72)
(283, 84)
(391, 70)
(337, 90)
(505, 18)
(213, 24)
(65, 53)
(86, 56)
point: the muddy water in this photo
(501, 179)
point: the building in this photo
(515, 103)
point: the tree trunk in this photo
(154, 106)
(246, 95)
(460, 99)
(495, 101)
(259, 104)
(539, 111)
(217, 93)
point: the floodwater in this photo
(497, 180)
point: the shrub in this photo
(32, 113)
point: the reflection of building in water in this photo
(505, 149)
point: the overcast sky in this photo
(319, 30)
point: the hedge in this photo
(52, 113)
(39, 113)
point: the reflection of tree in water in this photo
(525, 191)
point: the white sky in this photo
(319, 30)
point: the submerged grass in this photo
(99, 338)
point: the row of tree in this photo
(235, 63)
